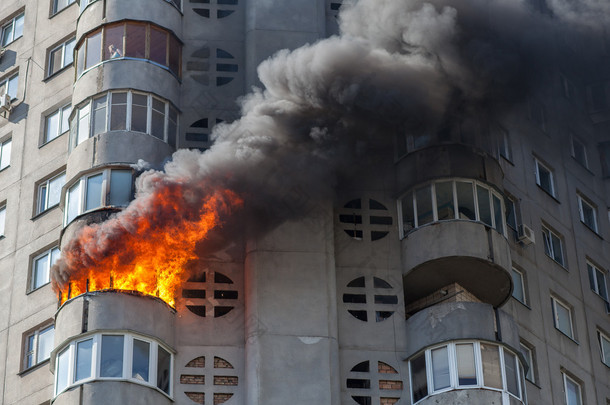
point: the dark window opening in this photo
(379, 283)
(358, 383)
(197, 309)
(226, 295)
(220, 278)
(382, 315)
(381, 220)
(354, 298)
(376, 235)
(355, 204)
(386, 299)
(197, 278)
(359, 315)
(362, 400)
(376, 205)
(220, 311)
(351, 219)
(361, 367)
(193, 293)
(354, 234)
(357, 282)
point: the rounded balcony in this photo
(165, 13)
(464, 353)
(115, 345)
(453, 231)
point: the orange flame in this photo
(150, 254)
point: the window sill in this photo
(584, 167)
(534, 384)
(4, 168)
(549, 194)
(37, 288)
(48, 142)
(34, 367)
(592, 230)
(507, 160)
(10, 43)
(54, 74)
(572, 339)
(43, 213)
(59, 11)
(557, 263)
(522, 303)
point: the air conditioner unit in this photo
(526, 235)
(5, 103)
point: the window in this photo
(604, 345)
(126, 357)
(49, 192)
(518, 286)
(125, 111)
(528, 353)
(450, 200)
(544, 178)
(61, 56)
(597, 281)
(106, 189)
(588, 213)
(12, 30)
(553, 247)
(57, 123)
(41, 265)
(9, 86)
(467, 365)
(132, 40)
(562, 317)
(572, 390)
(2, 218)
(5, 154)
(59, 5)
(504, 149)
(579, 152)
(538, 114)
(37, 346)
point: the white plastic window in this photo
(604, 343)
(5, 154)
(572, 391)
(597, 281)
(12, 30)
(562, 316)
(588, 213)
(49, 192)
(38, 346)
(61, 56)
(59, 5)
(544, 178)
(9, 86)
(57, 123)
(518, 286)
(553, 246)
(41, 265)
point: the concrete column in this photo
(291, 315)
(272, 25)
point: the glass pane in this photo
(174, 55)
(141, 351)
(465, 199)
(484, 205)
(69, 52)
(41, 271)
(7, 34)
(138, 112)
(490, 356)
(573, 392)
(135, 41)
(527, 353)
(42, 197)
(55, 186)
(511, 216)
(111, 364)
(55, 252)
(83, 124)
(99, 115)
(498, 217)
(518, 286)
(545, 181)
(94, 50)
(172, 126)
(118, 114)
(55, 60)
(63, 363)
(557, 251)
(465, 361)
(13, 85)
(65, 116)
(29, 359)
(158, 46)
(94, 192)
(5, 154)
(606, 349)
(563, 319)
(423, 199)
(419, 385)
(510, 368)
(158, 119)
(2, 219)
(408, 218)
(45, 344)
(113, 41)
(440, 368)
(73, 202)
(18, 27)
(84, 352)
(163, 369)
(444, 200)
(52, 130)
(80, 60)
(120, 187)
(601, 284)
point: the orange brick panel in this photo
(192, 379)
(221, 398)
(225, 380)
(196, 397)
(199, 362)
(390, 385)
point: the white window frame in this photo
(594, 282)
(548, 241)
(49, 254)
(63, 63)
(105, 191)
(567, 378)
(528, 353)
(575, 142)
(522, 283)
(74, 138)
(432, 188)
(12, 23)
(478, 364)
(8, 88)
(96, 353)
(43, 205)
(540, 165)
(504, 147)
(605, 355)
(56, 10)
(5, 148)
(61, 114)
(26, 352)
(582, 203)
(2, 219)
(555, 303)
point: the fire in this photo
(149, 253)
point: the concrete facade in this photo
(326, 309)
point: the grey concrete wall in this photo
(465, 397)
(111, 392)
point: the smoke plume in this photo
(398, 66)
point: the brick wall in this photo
(225, 380)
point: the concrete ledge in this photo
(111, 392)
(465, 397)
(464, 252)
(458, 321)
